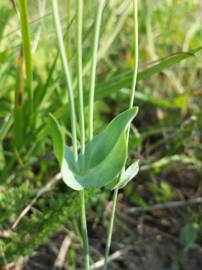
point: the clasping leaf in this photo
(104, 158)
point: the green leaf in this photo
(57, 138)
(26, 43)
(104, 158)
(124, 80)
(129, 174)
(176, 102)
(188, 235)
(125, 177)
(101, 145)
(4, 129)
(2, 157)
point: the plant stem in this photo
(79, 23)
(72, 105)
(109, 238)
(84, 231)
(67, 36)
(93, 66)
(67, 75)
(110, 229)
(136, 52)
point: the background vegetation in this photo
(166, 135)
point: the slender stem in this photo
(79, 23)
(67, 36)
(67, 74)
(93, 66)
(109, 238)
(72, 105)
(110, 229)
(84, 231)
(136, 52)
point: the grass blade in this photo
(19, 123)
(6, 127)
(115, 84)
(26, 43)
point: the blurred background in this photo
(159, 215)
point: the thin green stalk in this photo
(67, 36)
(136, 52)
(93, 66)
(79, 23)
(84, 231)
(67, 75)
(110, 229)
(72, 105)
(109, 238)
(27, 52)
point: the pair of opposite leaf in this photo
(103, 163)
